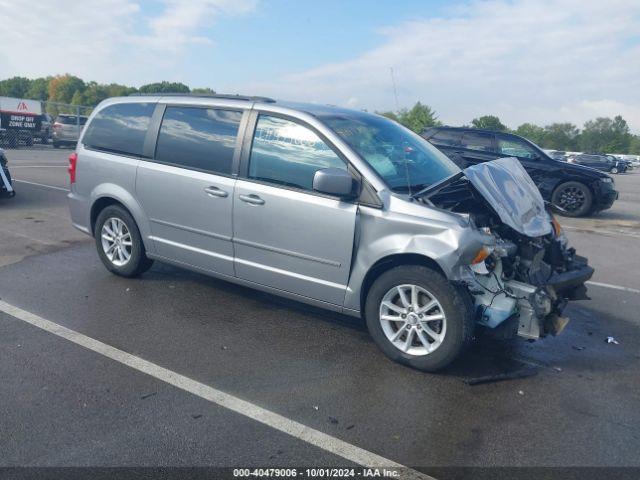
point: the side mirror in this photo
(334, 181)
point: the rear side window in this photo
(478, 141)
(446, 137)
(120, 128)
(198, 138)
(288, 153)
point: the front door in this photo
(538, 168)
(286, 235)
(476, 147)
(187, 191)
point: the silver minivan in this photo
(341, 209)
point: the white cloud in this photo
(525, 60)
(104, 40)
(172, 29)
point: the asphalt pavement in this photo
(62, 404)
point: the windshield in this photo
(404, 160)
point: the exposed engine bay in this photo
(526, 274)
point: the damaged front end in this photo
(528, 273)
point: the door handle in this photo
(216, 192)
(251, 199)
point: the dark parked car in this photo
(604, 163)
(558, 155)
(6, 184)
(574, 190)
(625, 164)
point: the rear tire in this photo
(119, 243)
(56, 144)
(573, 199)
(445, 338)
(614, 170)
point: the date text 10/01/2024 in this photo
(316, 473)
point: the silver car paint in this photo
(287, 243)
(287, 250)
(198, 235)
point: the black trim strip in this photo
(289, 253)
(191, 229)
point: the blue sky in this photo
(524, 60)
(289, 36)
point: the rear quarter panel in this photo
(105, 175)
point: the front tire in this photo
(119, 243)
(573, 199)
(418, 318)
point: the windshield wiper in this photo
(408, 188)
(436, 187)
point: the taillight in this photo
(73, 161)
(57, 125)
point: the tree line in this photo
(600, 135)
(75, 91)
(606, 135)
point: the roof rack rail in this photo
(207, 95)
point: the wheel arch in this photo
(103, 197)
(100, 204)
(391, 261)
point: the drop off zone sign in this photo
(20, 114)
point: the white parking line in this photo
(41, 185)
(278, 422)
(38, 166)
(615, 287)
(602, 231)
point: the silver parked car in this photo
(337, 208)
(66, 129)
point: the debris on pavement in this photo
(316, 407)
(520, 392)
(576, 347)
(557, 369)
(522, 373)
(333, 420)
(349, 427)
(612, 340)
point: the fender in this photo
(110, 190)
(449, 243)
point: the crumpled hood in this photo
(509, 189)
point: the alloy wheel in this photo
(571, 199)
(412, 319)
(116, 241)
